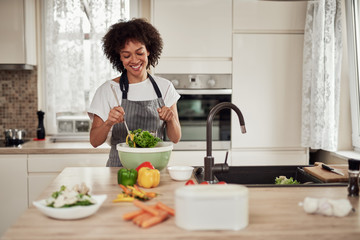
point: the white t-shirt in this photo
(104, 99)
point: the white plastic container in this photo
(212, 207)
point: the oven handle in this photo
(204, 91)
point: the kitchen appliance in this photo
(13, 138)
(199, 94)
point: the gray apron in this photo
(138, 114)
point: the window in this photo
(74, 63)
(353, 22)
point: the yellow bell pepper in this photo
(148, 178)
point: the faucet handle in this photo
(226, 156)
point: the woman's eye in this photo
(127, 56)
(140, 53)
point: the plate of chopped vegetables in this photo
(70, 203)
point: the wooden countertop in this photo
(49, 147)
(273, 214)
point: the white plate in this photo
(71, 212)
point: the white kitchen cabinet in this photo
(269, 16)
(197, 35)
(43, 168)
(195, 158)
(18, 32)
(13, 189)
(267, 85)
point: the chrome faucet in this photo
(209, 167)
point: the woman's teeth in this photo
(136, 67)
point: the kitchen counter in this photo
(49, 147)
(273, 214)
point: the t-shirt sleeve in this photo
(100, 104)
(171, 96)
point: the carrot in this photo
(155, 219)
(131, 215)
(166, 208)
(151, 194)
(126, 191)
(137, 188)
(146, 207)
(141, 218)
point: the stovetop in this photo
(3, 144)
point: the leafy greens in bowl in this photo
(142, 139)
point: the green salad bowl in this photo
(131, 158)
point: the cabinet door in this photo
(267, 85)
(46, 163)
(37, 183)
(194, 158)
(196, 35)
(18, 32)
(269, 16)
(13, 189)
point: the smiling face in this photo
(134, 57)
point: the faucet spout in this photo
(209, 165)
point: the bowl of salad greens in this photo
(132, 157)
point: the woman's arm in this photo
(100, 129)
(170, 116)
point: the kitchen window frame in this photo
(353, 34)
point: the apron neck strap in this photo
(124, 85)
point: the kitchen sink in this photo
(264, 176)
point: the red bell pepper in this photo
(145, 164)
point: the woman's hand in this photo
(170, 116)
(116, 115)
(166, 114)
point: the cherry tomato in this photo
(205, 182)
(221, 182)
(190, 182)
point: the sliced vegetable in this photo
(134, 192)
(221, 182)
(129, 140)
(145, 164)
(127, 177)
(148, 178)
(204, 182)
(190, 182)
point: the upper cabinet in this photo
(197, 35)
(269, 16)
(18, 33)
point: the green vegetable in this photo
(285, 180)
(143, 139)
(81, 199)
(127, 177)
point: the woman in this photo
(146, 101)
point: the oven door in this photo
(193, 108)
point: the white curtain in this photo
(321, 75)
(75, 67)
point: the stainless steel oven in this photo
(199, 94)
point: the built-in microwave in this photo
(199, 94)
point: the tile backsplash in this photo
(18, 101)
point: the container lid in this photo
(213, 191)
(354, 164)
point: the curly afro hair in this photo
(136, 29)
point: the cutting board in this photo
(327, 176)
